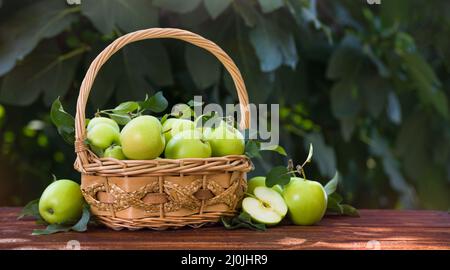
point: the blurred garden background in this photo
(367, 84)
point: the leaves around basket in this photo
(80, 226)
(122, 114)
(64, 122)
(334, 199)
(243, 220)
(32, 210)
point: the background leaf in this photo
(278, 175)
(177, 6)
(22, 32)
(121, 15)
(270, 5)
(216, 7)
(203, 67)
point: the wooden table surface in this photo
(375, 229)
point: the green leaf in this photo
(107, 78)
(144, 64)
(278, 175)
(247, 12)
(274, 46)
(276, 148)
(125, 15)
(203, 67)
(375, 91)
(51, 229)
(259, 84)
(426, 81)
(177, 5)
(121, 119)
(349, 210)
(64, 122)
(394, 110)
(268, 6)
(324, 156)
(344, 99)
(156, 103)
(80, 226)
(243, 220)
(30, 210)
(252, 149)
(331, 186)
(310, 153)
(338, 198)
(346, 59)
(348, 127)
(126, 107)
(20, 33)
(41, 72)
(216, 7)
(334, 206)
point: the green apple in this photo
(260, 181)
(306, 200)
(173, 126)
(103, 135)
(102, 120)
(268, 207)
(188, 144)
(61, 202)
(142, 138)
(114, 151)
(225, 140)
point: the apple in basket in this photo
(173, 126)
(142, 138)
(225, 140)
(188, 144)
(114, 151)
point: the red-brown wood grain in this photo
(375, 229)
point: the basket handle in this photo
(151, 33)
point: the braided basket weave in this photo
(160, 193)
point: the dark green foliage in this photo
(366, 84)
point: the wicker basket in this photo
(160, 193)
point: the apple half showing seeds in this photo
(267, 207)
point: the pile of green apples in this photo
(304, 200)
(146, 137)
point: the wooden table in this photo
(375, 229)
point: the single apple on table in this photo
(188, 144)
(306, 200)
(142, 138)
(267, 206)
(61, 202)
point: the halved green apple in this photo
(267, 207)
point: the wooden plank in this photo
(375, 229)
